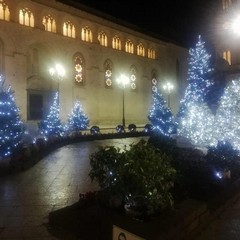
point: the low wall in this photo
(186, 221)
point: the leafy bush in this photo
(223, 157)
(164, 143)
(148, 173)
(195, 176)
(141, 170)
(106, 167)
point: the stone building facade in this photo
(94, 51)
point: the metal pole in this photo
(169, 100)
(58, 92)
(123, 120)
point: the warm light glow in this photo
(168, 87)
(86, 34)
(123, 80)
(236, 25)
(57, 72)
(69, 29)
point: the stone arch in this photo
(79, 66)
(36, 82)
(108, 73)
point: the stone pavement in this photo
(27, 197)
(224, 227)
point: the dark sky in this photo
(180, 21)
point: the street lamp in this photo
(168, 87)
(235, 25)
(57, 73)
(123, 81)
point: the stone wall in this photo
(29, 52)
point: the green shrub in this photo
(148, 173)
(223, 157)
(106, 166)
(164, 143)
(142, 170)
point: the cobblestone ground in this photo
(225, 227)
(27, 197)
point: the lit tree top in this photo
(160, 115)
(195, 119)
(77, 120)
(52, 124)
(198, 74)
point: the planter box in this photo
(94, 222)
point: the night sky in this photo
(180, 21)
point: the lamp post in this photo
(123, 81)
(168, 87)
(57, 73)
(235, 25)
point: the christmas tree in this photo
(11, 126)
(160, 115)
(195, 119)
(77, 120)
(198, 125)
(51, 125)
(227, 127)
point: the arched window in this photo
(140, 50)
(116, 43)
(49, 24)
(226, 4)
(129, 46)
(102, 39)
(151, 53)
(87, 34)
(79, 69)
(69, 29)
(133, 78)
(108, 74)
(154, 81)
(4, 11)
(26, 17)
(227, 56)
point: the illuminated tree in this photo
(227, 127)
(197, 125)
(160, 115)
(51, 125)
(77, 120)
(11, 126)
(195, 119)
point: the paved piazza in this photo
(27, 197)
